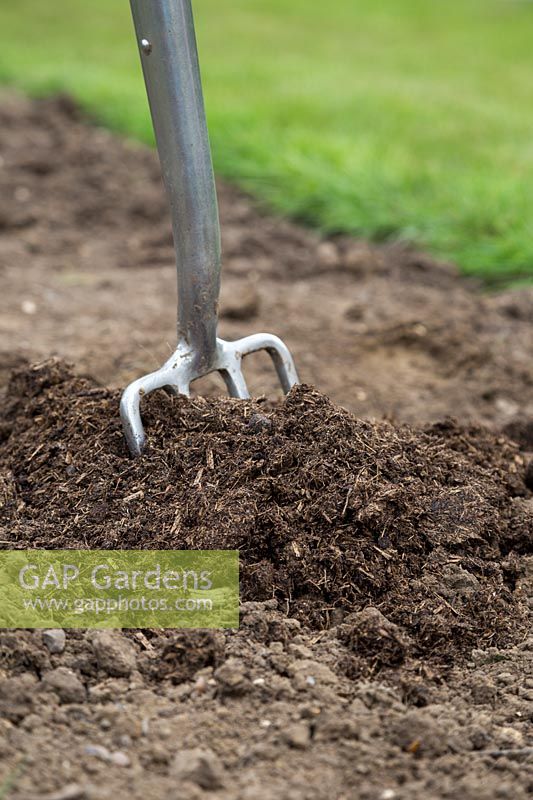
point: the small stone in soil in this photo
(115, 654)
(54, 640)
(200, 766)
(65, 684)
(259, 423)
(97, 751)
(231, 678)
(120, 759)
(297, 736)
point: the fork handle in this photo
(167, 44)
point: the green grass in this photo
(394, 119)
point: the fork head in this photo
(177, 374)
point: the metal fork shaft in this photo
(167, 44)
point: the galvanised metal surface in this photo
(172, 76)
(167, 45)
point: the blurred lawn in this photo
(393, 119)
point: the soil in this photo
(385, 648)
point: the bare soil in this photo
(385, 647)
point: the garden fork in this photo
(167, 44)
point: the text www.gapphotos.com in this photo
(109, 605)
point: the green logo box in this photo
(119, 589)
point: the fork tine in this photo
(235, 382)
(130, 404)
(277, 350)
